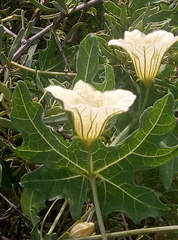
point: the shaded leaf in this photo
(32, 202)
(61, 6)
(58, 183)
(168, 171)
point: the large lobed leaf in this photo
(41, 146)
(64, 170)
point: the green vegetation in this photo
(126, 182)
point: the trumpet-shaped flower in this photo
(146, 51)
(91, 109)
(83, 229)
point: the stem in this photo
(42, 72)
(42, 224)
(57, 217)
(124, 131)
(141, 108)
(9, 32)
(145, 99)
(92, 179)
(133, 232)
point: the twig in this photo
(9, 32)
(62, 52)
(32, 39)
(14, 207)
(125, 224)
(42, 72)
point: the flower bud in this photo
(83, 229)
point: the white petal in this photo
(69, 97)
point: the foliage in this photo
(42, 164)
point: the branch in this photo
(31, 40)
(6, 30)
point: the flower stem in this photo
(145, 99)
(92, 179)
(124, 131)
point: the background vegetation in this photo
(48, 42)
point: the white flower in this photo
(91, 109)
(83, 229)
(146, 51)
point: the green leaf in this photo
(16, 43)
(72, 31)
(6, 123)
(112, 8)
(116, 189)
(55, 182)
(41, 146)
(64, 168)
(46, 56)
(49, 60)
(61, 6)
(108, 80)
(4, 60)
(88, 59)
(5, 91)
(168, 171)
(41, 6)
(123, 16)
(32, 202)
(56, 120)
(114, 28)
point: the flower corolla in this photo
(91, 109)
(146, 51)
(83, 229)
